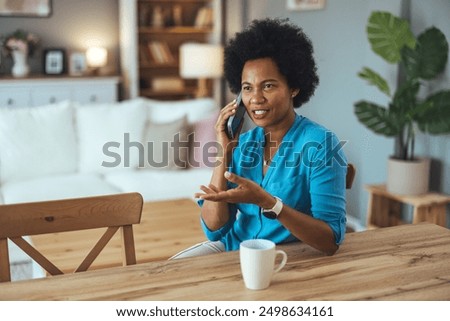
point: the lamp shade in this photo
(200, 60)
(96, 57)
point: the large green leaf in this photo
(433, 115)
(429, 57)
(379, 119)
(405, 98)
(388, 35)
(375, 79)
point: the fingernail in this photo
(227, 174)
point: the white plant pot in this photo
(408, 177)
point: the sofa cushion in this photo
(203, 142)
(110, 135)
(36, 142)
(201, 115)
(161, 184)
(56, 187)
(193, 109)
(166, 145)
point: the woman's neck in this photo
(274, 134)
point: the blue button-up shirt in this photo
(307, 173)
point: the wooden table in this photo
(408, 262)
(385, 208)
(154, 237)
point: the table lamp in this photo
(201, 61)
(96, 58)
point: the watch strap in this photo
(275, 210)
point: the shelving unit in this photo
(151, 34)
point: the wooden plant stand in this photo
(385, 208)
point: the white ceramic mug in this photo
(258, 262)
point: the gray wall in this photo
(73, 25)
(437, 147)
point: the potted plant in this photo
(20, 45)
(420, 59)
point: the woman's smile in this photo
(259, 113)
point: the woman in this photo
(284, 180)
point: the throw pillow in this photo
(203, 142)
(168, 111)
(167, 145)
(37, 141)
(110, 135)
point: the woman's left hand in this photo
(246, 191)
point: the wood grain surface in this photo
(408, 262)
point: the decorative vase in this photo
(408, 177)
(20, 67)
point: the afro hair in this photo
(283, 42)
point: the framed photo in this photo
(54, 61)
(303, 5)
(77, 64)
(26, 8)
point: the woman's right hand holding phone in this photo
(216, 214)
(225, 142)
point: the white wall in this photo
(341, 50)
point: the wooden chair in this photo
(351, 172)
(349, 178)
(110, 211)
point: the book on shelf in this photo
(167, 84)
(204, 17)
(160, 52)
(144, 56)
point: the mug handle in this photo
(283, 261)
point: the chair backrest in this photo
(114, 212)
(351, 172)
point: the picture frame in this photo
(54, 61)
(26, 8)
(305, 5)
(77, 64)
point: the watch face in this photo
(271, 215)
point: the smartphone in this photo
(235, 121)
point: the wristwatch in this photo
(272, 213)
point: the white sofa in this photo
(58, 151)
